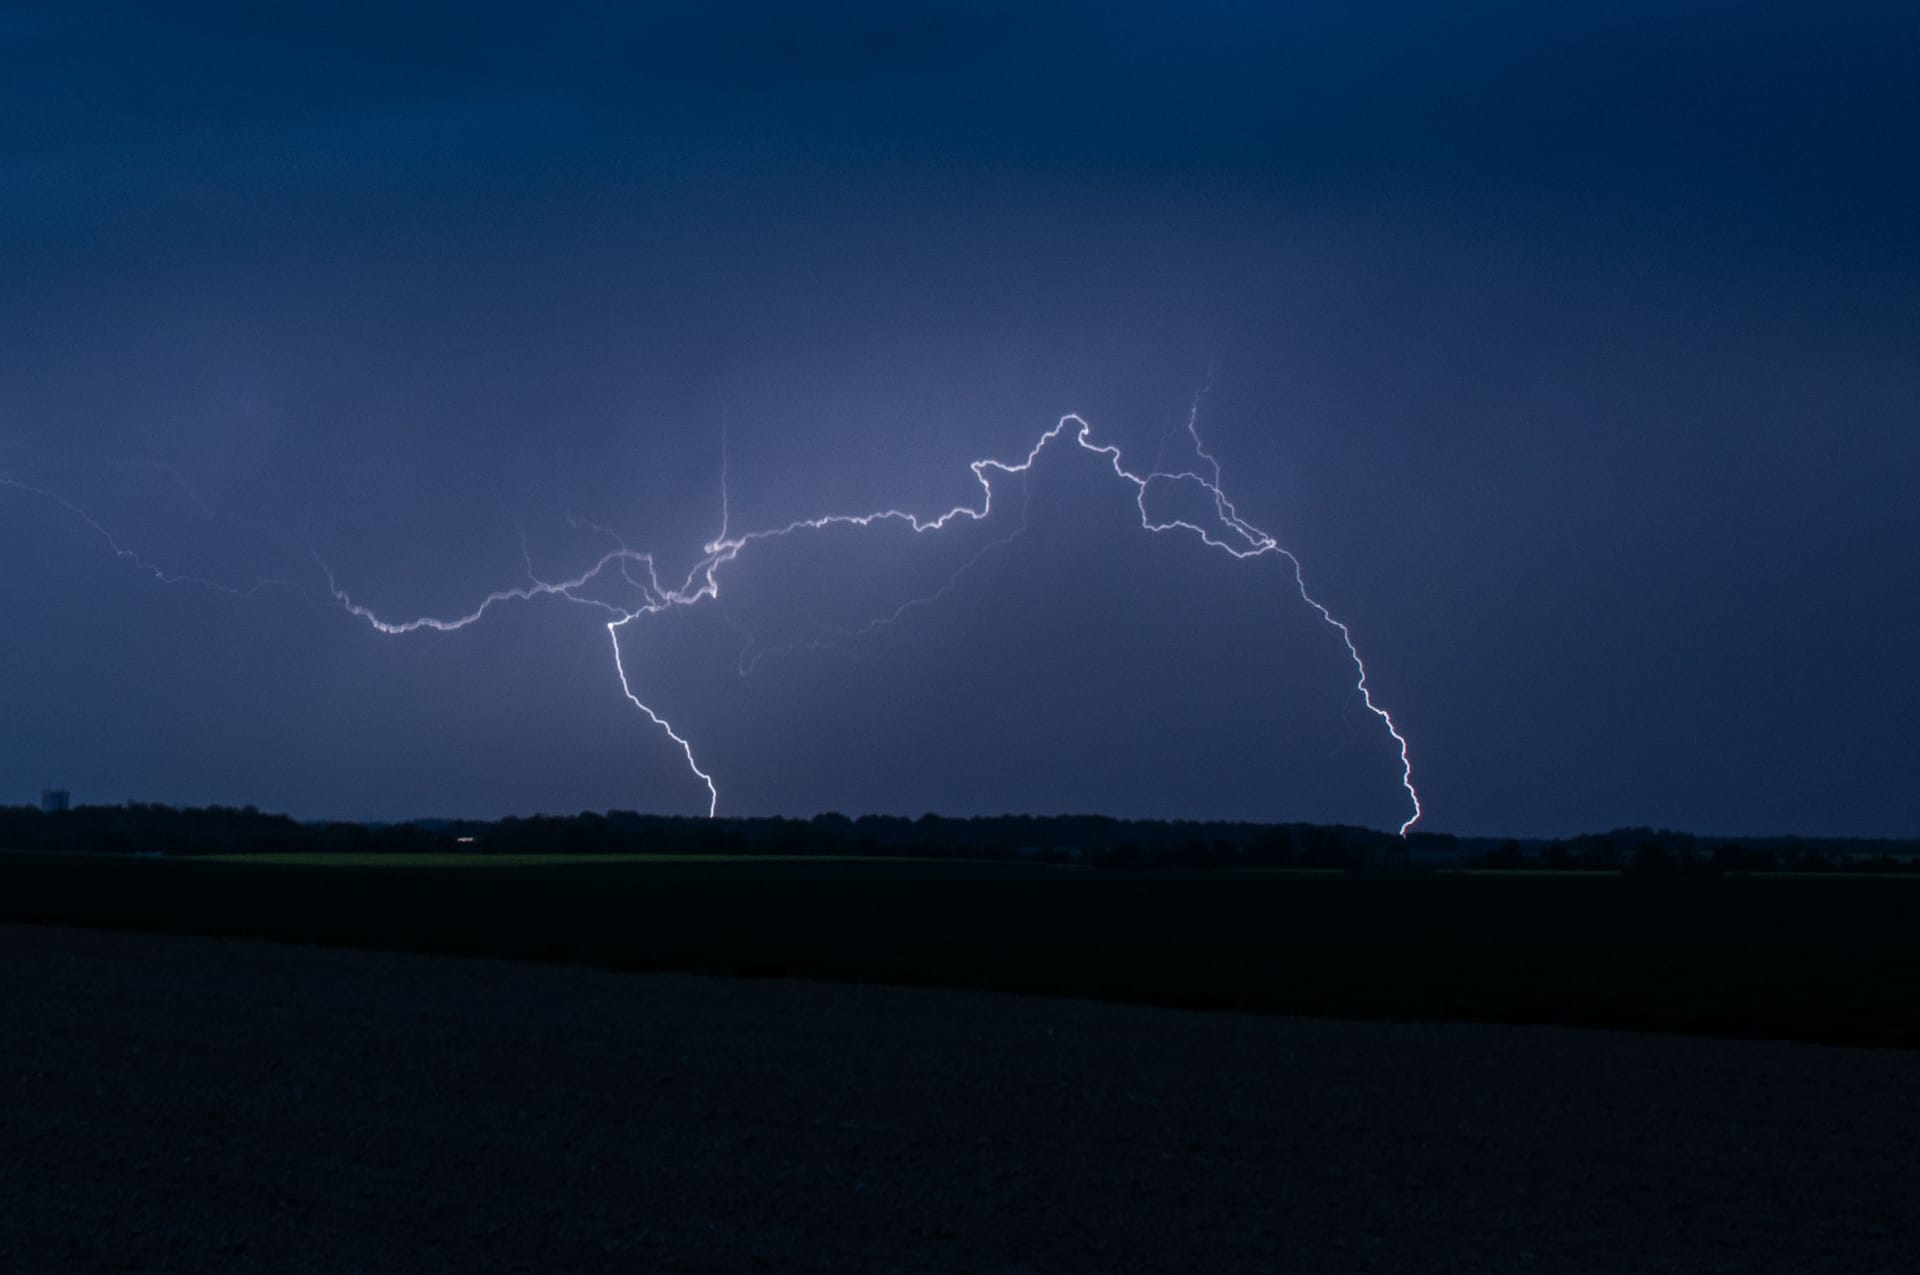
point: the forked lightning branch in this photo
(1225, 532)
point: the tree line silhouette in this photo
(1096, 841)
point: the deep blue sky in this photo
(1574, 350)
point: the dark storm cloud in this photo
(1571, 345)
(1743, 113)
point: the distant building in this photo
(53, 800)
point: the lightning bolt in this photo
(752, 653)
(1232, 535)
(127, 555)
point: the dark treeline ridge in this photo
(1093, 840)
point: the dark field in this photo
(191, 1105)
(1829, 959)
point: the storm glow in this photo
(1227, 533)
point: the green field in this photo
(1813, 958)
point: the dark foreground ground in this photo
(1832, 961)
(197, 1104)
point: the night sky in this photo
(1574, 350)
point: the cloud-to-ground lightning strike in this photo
(1234, 535)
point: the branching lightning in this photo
(752, 652)
(1230, 534)
(1234, 535)
(127, 555)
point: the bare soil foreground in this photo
(198, 1104)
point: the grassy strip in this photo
(1834, 959)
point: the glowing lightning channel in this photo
(125, 554)
(713, 793)
(1234, 536)
(751, 653)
